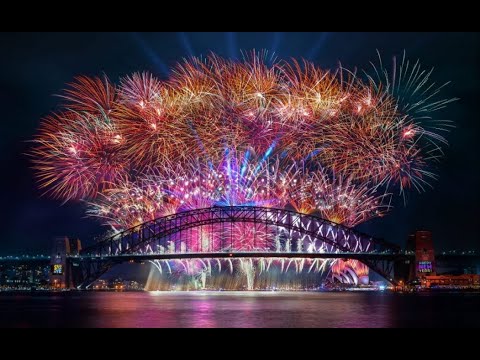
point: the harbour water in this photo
(239, 309)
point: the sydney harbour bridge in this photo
(277, 233)
(210, 233)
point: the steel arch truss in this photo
(216, 229)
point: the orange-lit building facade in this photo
(461, 281)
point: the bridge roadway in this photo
(249, 254)
(34, 259)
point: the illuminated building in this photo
(449, 281)
(23, 274)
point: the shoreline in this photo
(76, 291)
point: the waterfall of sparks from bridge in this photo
(235, 274)
(259, 132)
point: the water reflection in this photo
(238, 309)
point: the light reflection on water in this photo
(238, 309)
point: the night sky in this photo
(35, 66)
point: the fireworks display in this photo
(254, 132)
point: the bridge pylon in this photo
(62, 273)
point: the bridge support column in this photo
(421, 242)
(61, 272)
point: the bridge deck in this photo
(249, 254)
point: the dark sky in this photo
(34, 66)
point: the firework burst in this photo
(78, 155)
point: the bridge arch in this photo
(287, 234)
(283, 231)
